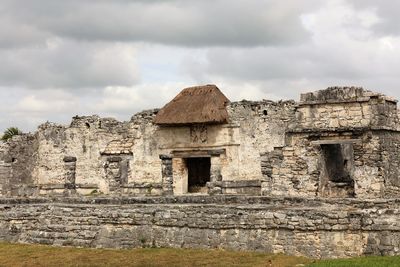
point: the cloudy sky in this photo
(114, 58)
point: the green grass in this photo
(18, 255)
(360, 262)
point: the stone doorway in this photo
(337, 170)
(199, 173)
(192, 170)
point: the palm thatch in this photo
(195, 105)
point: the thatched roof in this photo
(200, 104)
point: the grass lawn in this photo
(37, 256)
(361, 262)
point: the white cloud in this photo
(128, 100)
(46, 102)
(27, 109)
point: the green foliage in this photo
(10, 132)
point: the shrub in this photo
(10, 132)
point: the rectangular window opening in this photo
(339, 164)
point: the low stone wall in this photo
(310, 227)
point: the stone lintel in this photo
(114, 159)
(69, 159)
(197, 153)
(165, 156)
(336, 142)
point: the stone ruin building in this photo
(317, 178)
(338, 142)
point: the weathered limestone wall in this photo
(254, 127)
(146, 164)
(390, 162)
(298, 171)
(294, 169)
(262, 126)
(369, 166)
(17, 161)
(347, 107)
(85, 139)
(5, 168)
(362, 124)
(111, 154)
(312, 228)
(273, 148)
(5, 175)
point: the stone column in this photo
(180, 176)
(124, 167)
(70, 172)
(215, 172)
(167, 176)
(215, 184)
(113, 172)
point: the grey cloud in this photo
(15, 35)
(27, 108)
(186, 23)
(388, 13)
(66, 64)
(251, 49)
(342, 51)
(286, 72)
(74, 44)
(269, 63)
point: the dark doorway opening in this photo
(339, 164)
(199, 172)
(336, 164)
